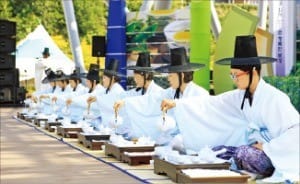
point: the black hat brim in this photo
(46, 80)
(246, 61)
(111, 72)
(76, 77)
(61, 78)
(139, 68)
(180, 68)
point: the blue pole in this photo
(116, 36)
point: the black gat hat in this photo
(245, 53)
(143, 63)
(179, 63)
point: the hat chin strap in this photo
(142, 88)
(247, 92)
(53, 88)
(108, 88)
(76, 82)
(177, 93)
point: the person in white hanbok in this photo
(143, 77)
(272, 147)
(144, 111)
(62, 80)
(112, 93)
(77, 89)
(77, 105)
(49, 80)
(38, 96)
(40, 66)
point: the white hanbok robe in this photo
(271, 119)
(145, 114)
(105, 103)
(40, 66)
(153, 88)
(79, 103)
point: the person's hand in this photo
(34, 98)
(167, 104)
(258, 145)
(28, 95)
(43, 96)
(68, 101)
(118, 105)
(91, 99)
(54, 99)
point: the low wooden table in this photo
(94, 144)
(183, 178)
(21, 115)
(28, 118)
(92, 141)
(68, 132)
(137, 159)
(51, 126)
(37, 121)
(115, 151)
(170, 169)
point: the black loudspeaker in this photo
(7, 61)
(7, 94)
(9, 77)
(20, 95)
(7, 28)
(7, 45)
(98, 46)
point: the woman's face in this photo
(72, 83)
(240, 78)
(52, 84)
(138, 79)
(173, 80)
(105, 81)
(89, 83)
(61, 84)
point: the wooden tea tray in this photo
(183, 178)
(170, 169)
(115, 151)
(37, 121)
(28, 118)
(21, 115)
(68, 132)
(51, 126)
(137, 159)
(92, 141)
(94, 144)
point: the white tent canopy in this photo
(30, 50)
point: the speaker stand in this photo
(98, 61)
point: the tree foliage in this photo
(90, 16)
